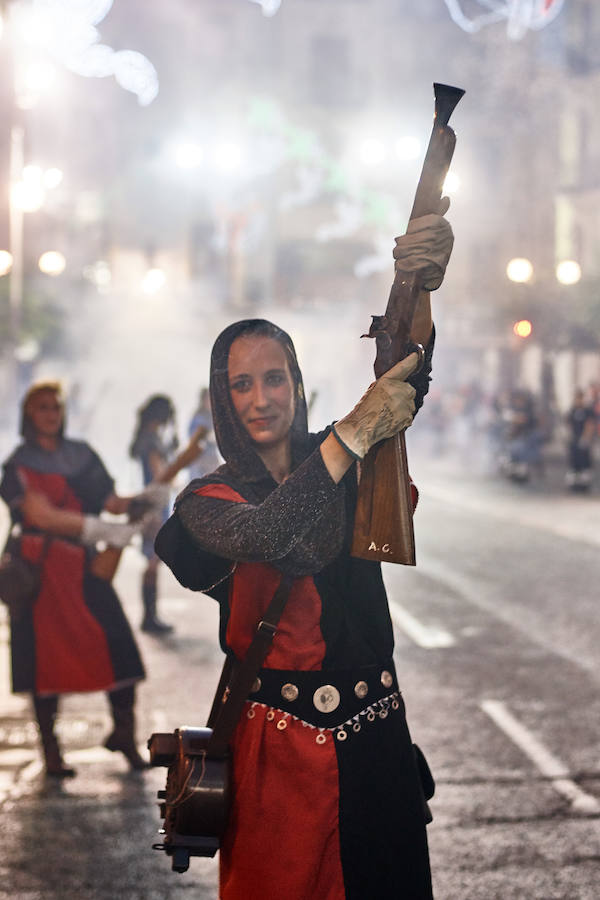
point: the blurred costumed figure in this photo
(581, 421)
(154, 445)
(74, 637)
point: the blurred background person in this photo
(522, 436)
(209, 459)
(581, 422)
(154, 444)
(74, 637)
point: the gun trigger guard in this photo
(419, 349)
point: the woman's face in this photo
(45, 412)
(262, 389)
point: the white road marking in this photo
(537, 514)
(546, 762)
(423, 635)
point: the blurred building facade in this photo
(280, 209)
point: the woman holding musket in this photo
(75, 637)
(327, 800)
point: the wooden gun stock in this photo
(383, 527)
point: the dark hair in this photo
(26, 427)
(158, 409)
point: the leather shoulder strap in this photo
(244, 675)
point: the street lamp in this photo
(153, 281)
(520, 270)
(52, 263)
(371, 152)
(228, 156)
(5, 262)
(188, 156)
(408, 148)
(568, 271)
(523, 328)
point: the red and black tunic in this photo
(328, 802)
(76, 636)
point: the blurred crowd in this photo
(514, 433)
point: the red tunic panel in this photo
(299, 642)
(71, 650)
(283, 836)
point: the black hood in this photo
(234, 443)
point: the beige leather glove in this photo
(387, 407)
(425, 247)
(96, 530)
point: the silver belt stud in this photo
(326, 698)
(289, 692)
(361, 689)
(256, 686)
(387, 679)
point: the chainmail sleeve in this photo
(299, 527)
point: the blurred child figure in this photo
(155, 444)
(210, 459)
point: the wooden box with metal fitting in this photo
(196, 800)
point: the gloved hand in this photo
(387, 407)
(426, 247)
(115, 534)
(151, 501)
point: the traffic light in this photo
(523, 328)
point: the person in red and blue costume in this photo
(328, 801)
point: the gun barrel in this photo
(439, 152)
(446, 99)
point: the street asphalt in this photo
(497, 634)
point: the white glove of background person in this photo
(387, 407)
(156, 494)
(96, 530)
(426, 247)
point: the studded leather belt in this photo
(325, 698)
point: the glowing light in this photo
(27, 351)
(269, 7)
(371, 152)
(32, 174)
(5, 262)
(52, 263)
(188, 156)
(33, 79)
(519, 270)
(153, 281)
(228, 156)
(451, 183)
(408, 148)
(52, 178)
(27, 195)
(568, 271)
(523, 328)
